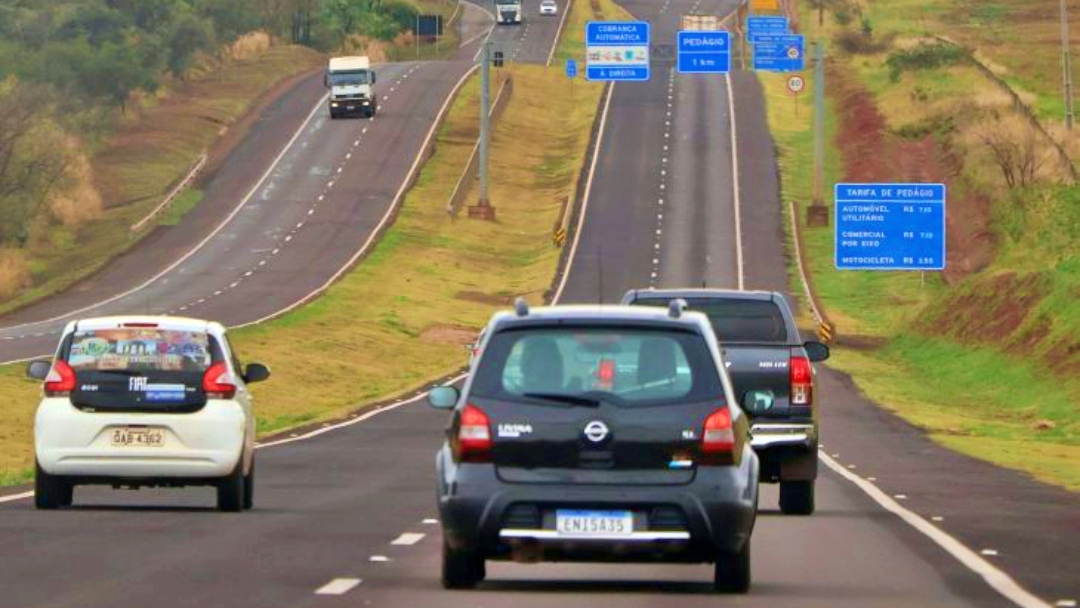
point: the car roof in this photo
(161, 321)
(601, 314)
(728, 294)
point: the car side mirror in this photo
(816, 351)
(443, 397)
(38, 370)
(373, 78)
(256, 372)
(757, 402)
(326, 80)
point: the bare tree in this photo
(1014, 146)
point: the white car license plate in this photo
(594, 523)
(136, 437)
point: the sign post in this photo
(702, 52)
(571, 74)
(795, 86)
(890, 227)
(617, 51)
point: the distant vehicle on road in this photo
(773, 374)
(549, 7)
(145, 401)
(508, 11)
(352, 87)
(588, 433)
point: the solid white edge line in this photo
(197, 247)
(558, 33)
(357, 420)
(417, 162)
(338, 586)
(585, 197)
(408, 538)
(735, 184)
(491, 30)
(14, 497)
(997, 579)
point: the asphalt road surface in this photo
(350, 512)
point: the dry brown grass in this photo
(249, 46)
(80, 201)
(377, 50)
(14, 272)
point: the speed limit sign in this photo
(796, 84)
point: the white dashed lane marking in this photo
(408, 538)
(338, 586)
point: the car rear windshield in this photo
(737, 320)
(140, 350)
(625, 366)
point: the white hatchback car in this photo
(548, 7)
(145, 401)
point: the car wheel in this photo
(797, 497)
(249, 486)
(230, 490)
(733, 571)
(461, 569)
(51, 491)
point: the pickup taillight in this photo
(802, 381)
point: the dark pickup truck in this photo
(772, 371)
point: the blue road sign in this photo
(782, 53)
(704, 52)
(890, 226)
(617, 50)
(765, 25)
(571, 68)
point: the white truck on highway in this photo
(508, 11)
(352, 87)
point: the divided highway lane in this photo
(299, 196)
(532, 40)
(305, 219)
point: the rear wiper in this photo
(563, 398)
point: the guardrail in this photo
(826, 329)
(169, 198)
(472, 168)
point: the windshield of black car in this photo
(625, 366)
(504, 2)
(737, 319)
(355, 78)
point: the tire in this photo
(51, 491)
(797, 497)
(461, 569)
(249, 487)
(230, 490)
(732, 574)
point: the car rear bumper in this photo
(718, 510)
(204, 444)
(773, 434)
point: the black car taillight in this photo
(474, 435)
(718, 438)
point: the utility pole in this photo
(483, 209)
(818, 214)
(1066, 66)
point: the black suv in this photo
(596, 434)
(771, 368)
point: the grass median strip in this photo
(404, 314)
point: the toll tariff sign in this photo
(890, 226)
(704, 52)
(617, 50)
